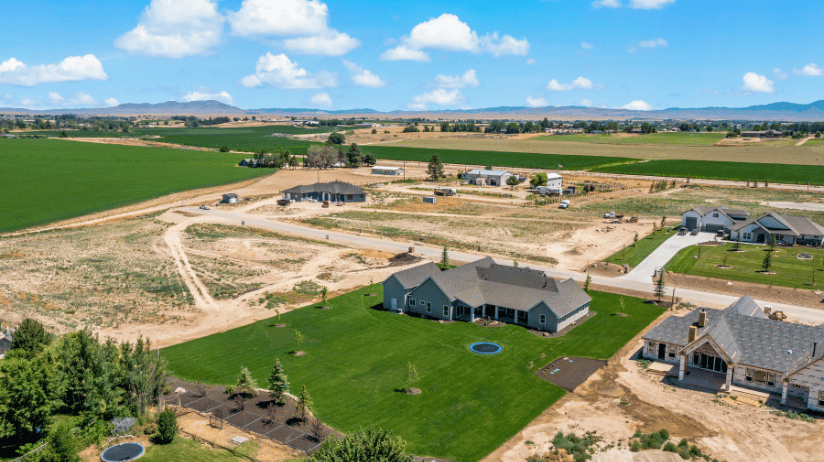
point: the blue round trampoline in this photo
(122, 452)
(485, 348)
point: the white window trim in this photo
(542, 319)
(411, 302)
(445, 310)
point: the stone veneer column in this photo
(728, 384)
(784, 392)
(682, 368)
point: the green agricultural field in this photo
(745, 266)
(636, 253)
(48, 180)
(249, 139)
(681, 139)
(357, 357)
(494, 158)
(739, 171)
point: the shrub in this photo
(683, 443)
(166, 426)
(363, 446)
(685, 454)
(670, 447)
(63, 447)
(664, 433)
(577, 446)
(224, 148)
(635, 446)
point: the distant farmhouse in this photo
(787, 229)
(381, 170)
(484, 288)
(335, 191)
(487, 177)
(229, 198)
(5, 342)
(751, 350)
(762, 134)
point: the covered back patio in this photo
(497, 313)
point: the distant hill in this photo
(782, 111)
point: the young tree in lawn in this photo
(304, 404)
(772, 242)
(363, 446)
(435, 168)
(659, 287)
(278, 383)
(445, 258)
(324, 293)
(766, 263)
(663, 220)
(635, 239)
(411, 375)
(30, 338)
(166, 426)
(737, 244)
(587, 283)
(246, 385)
(512, 182)
(298, 340)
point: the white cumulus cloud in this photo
(204, 95)
(307, 21)
(73, 68)
(638, 105)
(536, 101)
(322, 99)
(456, 81)
(447, 32)
(363, 77)
(758, 83)
(810, 70)
(649, 4)
(586, 103)
(175, 29)
(111, 102)
(439, 97)
(581, 83)
(281, 72)
(79, 99)
(586, 45)
(8, 97)
(530, 61)
(654, 43)
(607, 3)
(779, 74)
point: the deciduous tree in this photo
(435, 168)
(363, 446)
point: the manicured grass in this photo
(740, 171)
(494, 158)
(635, 254)
(184, 449)
(745, 266)
(42, 181)
(682, 139)
(357, 357)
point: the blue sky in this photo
(336, 54)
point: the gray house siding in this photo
(572, 317)
(535, 318)
(392, 289)
(430, 300)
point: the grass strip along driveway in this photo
(634, 254)
(356, 357)
(42, 181)
(716, 170)
(746, 266)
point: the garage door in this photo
(692, 223)
(714, 228)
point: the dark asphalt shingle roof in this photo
(704, 210)
(795, 225)
(412, 277)
(750, 340)
(334, 187)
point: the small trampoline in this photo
(122, 452)
(485, 348)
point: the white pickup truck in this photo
(564, 204)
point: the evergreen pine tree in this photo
(659, 287)
(445, 259)
(278, 383)
(304, 403)
(435, 169)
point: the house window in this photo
(651, 348)
(821, 398)
(445, 310)
(542, 319)
(760, 377)
(428, 307)
(411, 302)
(671, 350)
(696, 358)
(715, 215)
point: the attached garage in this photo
(691, 223)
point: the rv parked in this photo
(444, 191)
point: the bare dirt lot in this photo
(623, 398)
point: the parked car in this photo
(609, 215)
(564, 204)
(205, 207)
(284, 202)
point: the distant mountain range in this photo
(776, 111)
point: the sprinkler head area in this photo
(485, 348)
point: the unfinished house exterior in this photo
(487, 177)
(484, 288)
(787, 229)
(712, 219)
(335, 191)
(752, 350)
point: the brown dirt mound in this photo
(404, 258)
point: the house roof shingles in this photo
(750, 340)
(334, 187)
(795, 225)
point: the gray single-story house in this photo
(335, 191)
(487, 177)
(248, 163)
(483, 288)
(787, 229)
(712, 219)
(762, 134)
(751, 350)
(383, 170)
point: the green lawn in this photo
(636, 253)
(683, 139)
(42, 181)
(494, 158)
(357, 356)
(716, 170)
(184, 449)
(745, 266)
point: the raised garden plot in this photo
(569, 372)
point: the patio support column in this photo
(728, 384)
(472, 316)
(682, 368)
(496, 312)
(810, 398)
(784, 393)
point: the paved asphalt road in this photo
(803, 314)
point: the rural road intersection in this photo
(802, 314)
